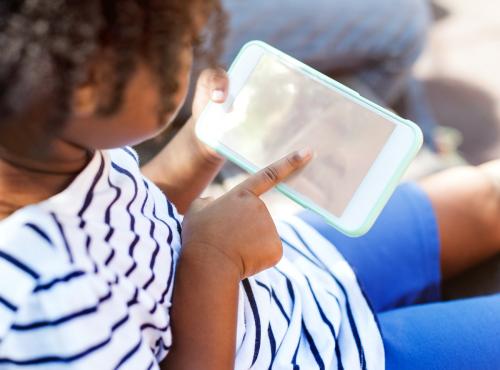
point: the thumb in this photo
(212, 85)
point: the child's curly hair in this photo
(47, 45)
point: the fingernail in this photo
(305, 153)
(217, 95)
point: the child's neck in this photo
(25, 182)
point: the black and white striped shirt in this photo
(86, 282)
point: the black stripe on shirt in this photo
(90, 194)
(155, 252)
(263, 286)
(107, 214)
(149, 325)
(328, 323)
(146, 198)
(4, 301)
(132, 246)
(309, 338)
(110, 257)
(124, 172)
(154, 308)
(253, 305)
(294, 358)
(291, 293)
(170, 277)
(129, 354)
(62, 279)
(131, 153)
(169, 242)
(152, 230)
(63, 236)
(170, 208)
(61, 320)
(70, 358)
(272, 343)
(132, 268)
(21, 266)
(312, 345)
(280, 306)
(38, 230)
(88, 242)
(134, 243)
(350, 315)
(160, 346)
(170, 234)
(134, 300)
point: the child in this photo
(90, 249)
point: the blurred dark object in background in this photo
(472, 111)
(439, 11)
(481, 280)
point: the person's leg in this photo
(467, 204)
(397, 261)
(378, 40)
(455, 335)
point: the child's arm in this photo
(219, 250)
(204, 312)
(186, 166)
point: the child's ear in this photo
(85, 100)
(87, 94)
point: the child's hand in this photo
(237, 228)
(212, 86)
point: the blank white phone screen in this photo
(280, 109)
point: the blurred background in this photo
(460, 68)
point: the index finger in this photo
(275, 173)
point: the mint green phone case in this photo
(302, 200)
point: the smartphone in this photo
(277, 104)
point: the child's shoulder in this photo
(28, 259)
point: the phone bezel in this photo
(381, 179)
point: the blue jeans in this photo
(397, 264)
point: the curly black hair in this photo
(46, 47)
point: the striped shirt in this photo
(86, 281)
